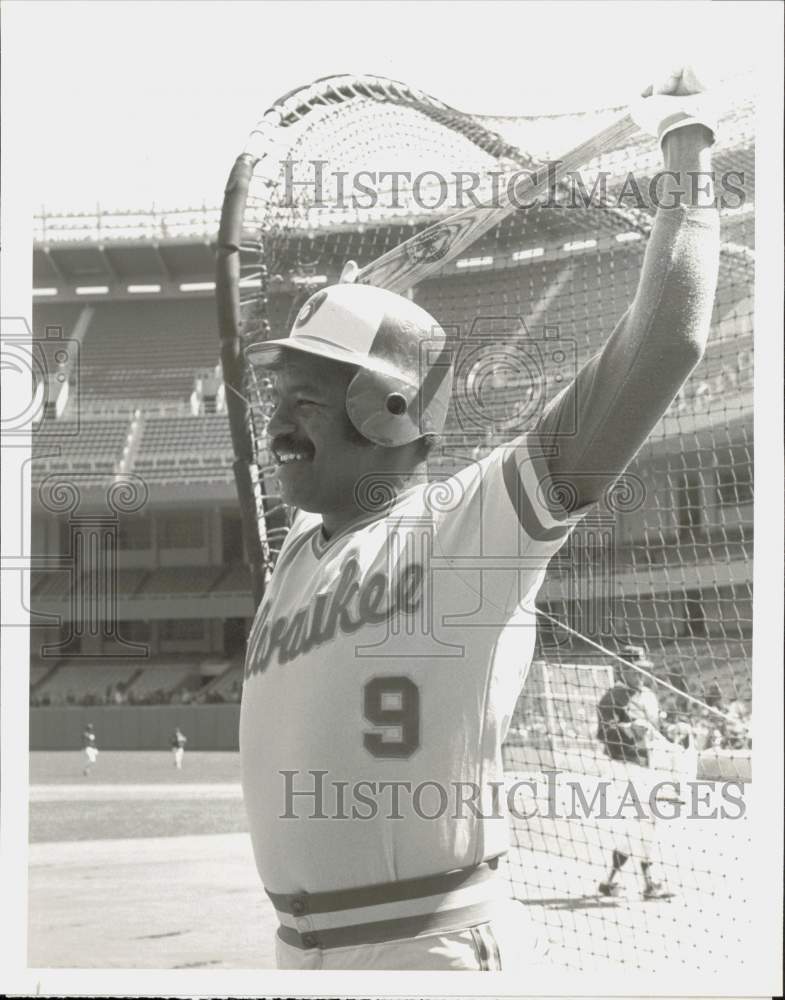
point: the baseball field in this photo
(142, 866)
(139, 865)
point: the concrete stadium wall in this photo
(139, 727)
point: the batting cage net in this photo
(656, 579)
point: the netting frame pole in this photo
(227, 295)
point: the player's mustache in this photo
(288, 443)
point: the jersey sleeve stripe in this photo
(525, 474)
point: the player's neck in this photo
(373, 501)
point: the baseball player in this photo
(179, 739)
(89, 748)
(388, 652)
(628, 724)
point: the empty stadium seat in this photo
(54, 315)
(98, 442)
(206, 434)
(176, 581)
(148, 350)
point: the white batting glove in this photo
(681, 99)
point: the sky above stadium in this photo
(135, 103)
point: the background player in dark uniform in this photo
(628, 717)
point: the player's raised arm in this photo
(620, 394)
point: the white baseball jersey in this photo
(382, 670)
(643, 706)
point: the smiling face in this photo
(320, 457)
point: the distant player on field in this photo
(391, 645)
(179, 739)
(89, 748)
(628, 721)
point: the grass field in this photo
(139, 865)
(134, 795)
(150, 767)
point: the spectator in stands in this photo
(689, 725)
(714, 697)
(156, 697)
(675, 722)
(703, 730)
(714, 723)
(677, 680)
(738, 727)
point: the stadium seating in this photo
(159, 679)
(706, 662)
(129, 581)
(74, 683)
(148, 351)
(138, 384)
(563, 294)
(177, 581)
(227, 687)
(37, 673)
(198, 446)
(162, 678)
(202, 435)
(97, 444)
(50, 584)
(61, 315)
(236, 580)
(55, 584)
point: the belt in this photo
(372, 914)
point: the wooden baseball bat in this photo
(428, 251)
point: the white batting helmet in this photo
(402, 389)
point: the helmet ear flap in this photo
(384, 408)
